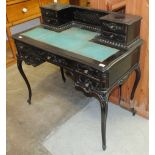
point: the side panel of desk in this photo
(141, 100)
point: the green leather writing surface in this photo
(73, 40)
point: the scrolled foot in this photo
(64, 80)
(104, 147)
(133, 111)
(29, 101)
(20, 68)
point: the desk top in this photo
(74, 40)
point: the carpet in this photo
(80, 135)
(53, 102)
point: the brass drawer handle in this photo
(24, 10)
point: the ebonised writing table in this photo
(99, 49)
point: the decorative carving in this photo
(87, 84)
(103, 97)
(30, 55)
(113, 37)
(89, 17)
(113, 27)
(115, 30)
(90, 80)
(56, 60)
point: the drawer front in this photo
(22, 10)
(89, 85)
(114, 37)
(91, 78)
(46, 2)
(49, 13)
(114, 27)
(29, 54)
(50, 21)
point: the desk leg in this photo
(20, 68)
(138, 75)
(103, 99)
(120, 93)
(62, 74)
(104, 110)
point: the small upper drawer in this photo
(22, 10)
(114, 27)
(114, 37)
(49, 13)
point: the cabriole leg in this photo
(62, 74)
(104, 110)
(103, 99)
(120, 93)
(138, 75)
(20, 68)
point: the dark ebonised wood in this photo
(88, 75)
(116, 29)
(92, 81)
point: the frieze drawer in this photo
(90, 84)
(31, 55)
(55, 59)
